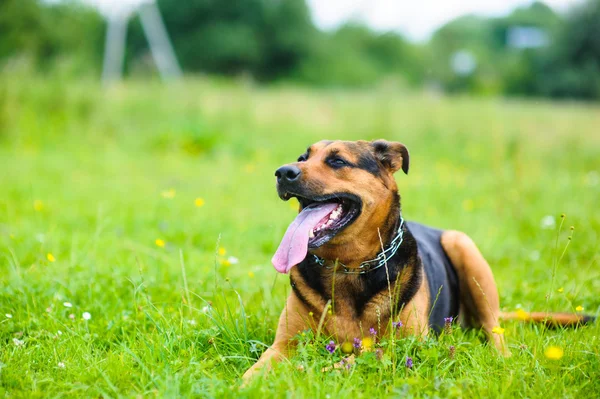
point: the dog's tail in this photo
(550, 319)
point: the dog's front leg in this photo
(293, 320)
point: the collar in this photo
(380, 260)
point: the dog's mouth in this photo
(346, 211)
(320, 219)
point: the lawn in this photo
(137, 225)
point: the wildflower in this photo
(72, 316)
(222, 251)
(8, 316)
(67, 304)
(397, 324)
(367, 343)
(310, 314)
(357, 343)
(169, 194)
(330, 347)
(561, 289)
(49, 309)
(554, 353)
(206, 309)
(347, 347)
(448, 325)
(86, 316)
(192, 322)
(451, 351)
(379, 354)
(579, 308)
(18, 342)
(233, 260)
(251, 274)
(199, 202)
(159, 243)
(38, 205)
(372, 331)
(61, 365)
(409, 362)
(498, 330)
(468, 205)
(50, 257)
(548, 222)
(522, 315)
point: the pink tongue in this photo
(294, 244)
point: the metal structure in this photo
(118, 13)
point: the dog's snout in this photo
(287, 173)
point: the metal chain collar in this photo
(380, 260)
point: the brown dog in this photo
(355, 264)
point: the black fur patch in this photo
(367, 161)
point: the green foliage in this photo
(94, 177)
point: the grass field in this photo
(137, 226)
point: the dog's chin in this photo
(348, 210)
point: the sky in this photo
(417, 20)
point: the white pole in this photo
(114, 50)
(158, 39)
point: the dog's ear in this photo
(391, 154)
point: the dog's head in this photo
(346, 192)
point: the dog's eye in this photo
(337, 162)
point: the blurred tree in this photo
(47, 34)
(571, 68)
(266, 38)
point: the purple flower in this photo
(452, 351)
(372, 331)
(357, 343)
(409, 362)
(397, 324)
(330, 347)
(448, 325)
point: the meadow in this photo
(137, 224)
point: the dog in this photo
(356, 264)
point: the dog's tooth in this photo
(311, 234)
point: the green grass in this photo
(86, 176)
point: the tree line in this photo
(531, 52)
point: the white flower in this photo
(206, 309)
(18, 342)
(86, 315)
(59, 332)
(534, 256)
(8, 316)
(233, 260)
(192, 322)
(67, 304)
(61, 365)
(548, 222)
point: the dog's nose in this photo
(287, 173)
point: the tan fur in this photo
(480, 304)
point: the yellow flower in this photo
(522, 315)
(38, 205)
(367, 343)
(554, 352)
(199, 202)
(468, 205)
(159, 243)
(251, 274)
(50, 257)
(561, 289)
(347, 347)
(498, 330)
(222, 251)
(170, 193)
(310, 314)
(225, 262)
(579, 308)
